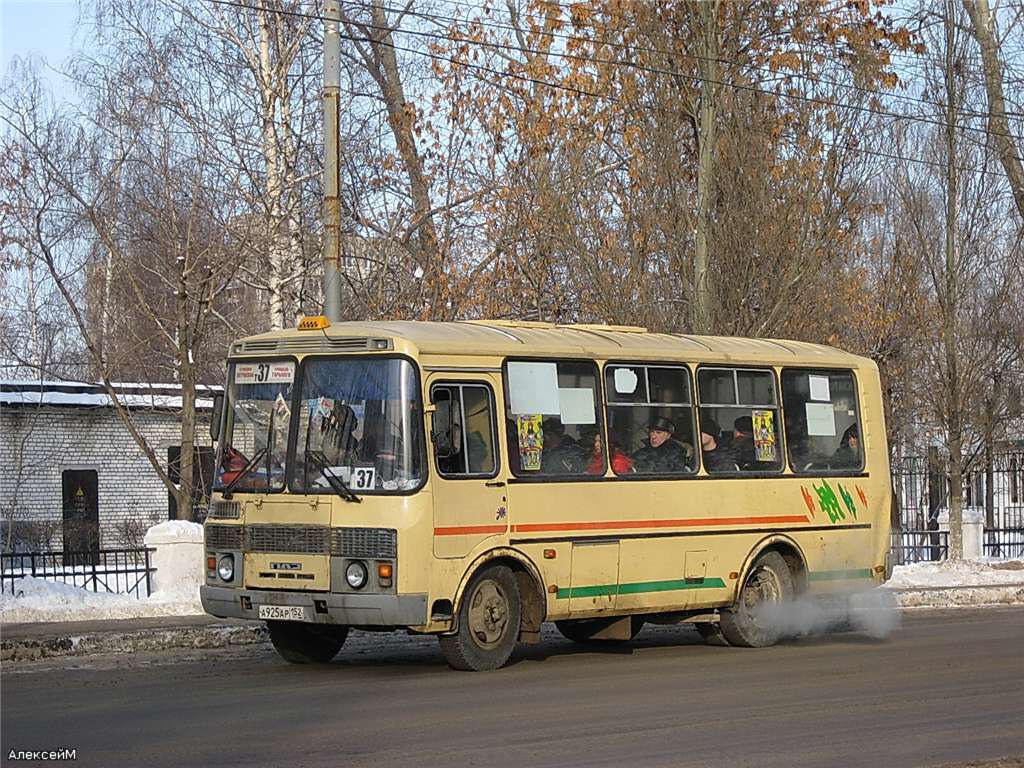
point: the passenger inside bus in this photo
(561, 455)
(716, 458)
(660, 453)
(848, 453)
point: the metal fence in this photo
(1004, 543)
(919, 546)
(118, 571)
(993, 485)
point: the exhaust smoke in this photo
(872, 613)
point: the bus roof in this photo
(510, 338)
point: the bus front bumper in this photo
(320, 607)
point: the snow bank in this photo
(37, 600)
(178, 561)
(965, 573)
(178, 558)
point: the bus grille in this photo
(223, 537)
(295, 539)
(371, 543)
(224, 510)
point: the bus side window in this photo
(739, 417)
(822, 426)
(552, 421)
(463, 430)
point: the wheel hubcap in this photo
(762, 589)
(488, 614)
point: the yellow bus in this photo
(475, 479)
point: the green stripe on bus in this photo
(864, 573)
(638, 587)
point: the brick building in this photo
(71, 475)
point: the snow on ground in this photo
(965, 583)
(933, 585)
(37, 600)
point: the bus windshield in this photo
(255, 443)
(359, 420)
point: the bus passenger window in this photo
(822, 430)
(552, 419)
(463, 430)
(650, 419)
(739, 417)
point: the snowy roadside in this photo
(932, 585)
(950, 585)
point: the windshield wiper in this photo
(243, 472)
(337, 484)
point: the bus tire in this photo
(711, 633)
(300, 643)
(768, 583)
(583, 630)
(489, 618)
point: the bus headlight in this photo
(355, 575)
(226, 567)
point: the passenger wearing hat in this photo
(716, 458)
(743, 442)
(660, 454)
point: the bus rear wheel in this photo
(301, 643)
(489, 618)
(583, 630)
(749, 622)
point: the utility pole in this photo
(952, 304)
(332, 168)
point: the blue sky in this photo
(39, 28)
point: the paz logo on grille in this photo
(286, 566)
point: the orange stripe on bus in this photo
(686, 523)
(461, 530)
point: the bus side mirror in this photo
(215, 417)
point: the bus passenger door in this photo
(594, 575)
(468, 496)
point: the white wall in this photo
(38, 443)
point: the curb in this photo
(205, 636)
(959, 597)
(131, 641)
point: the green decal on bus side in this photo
(638, 587)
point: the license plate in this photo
(282, 612)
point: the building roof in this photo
(78, 394)
(506, 338)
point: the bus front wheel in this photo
(489, 617)
(754, 621)
(306, 643)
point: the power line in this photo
(915, 60)
(646, 49)
(592, 94)
(647, 68)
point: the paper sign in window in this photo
(819, 388)
(533, 388)
(821, 419)
(625, 381)
(576, 405)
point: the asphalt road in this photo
(944, 688)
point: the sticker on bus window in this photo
(281, 407)
(363, 478)
(821, 420)
(530, 429)
(819, 388)
(764, 435)
(533, 388)
(625, 381)
(278, 372)
(576, 405)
